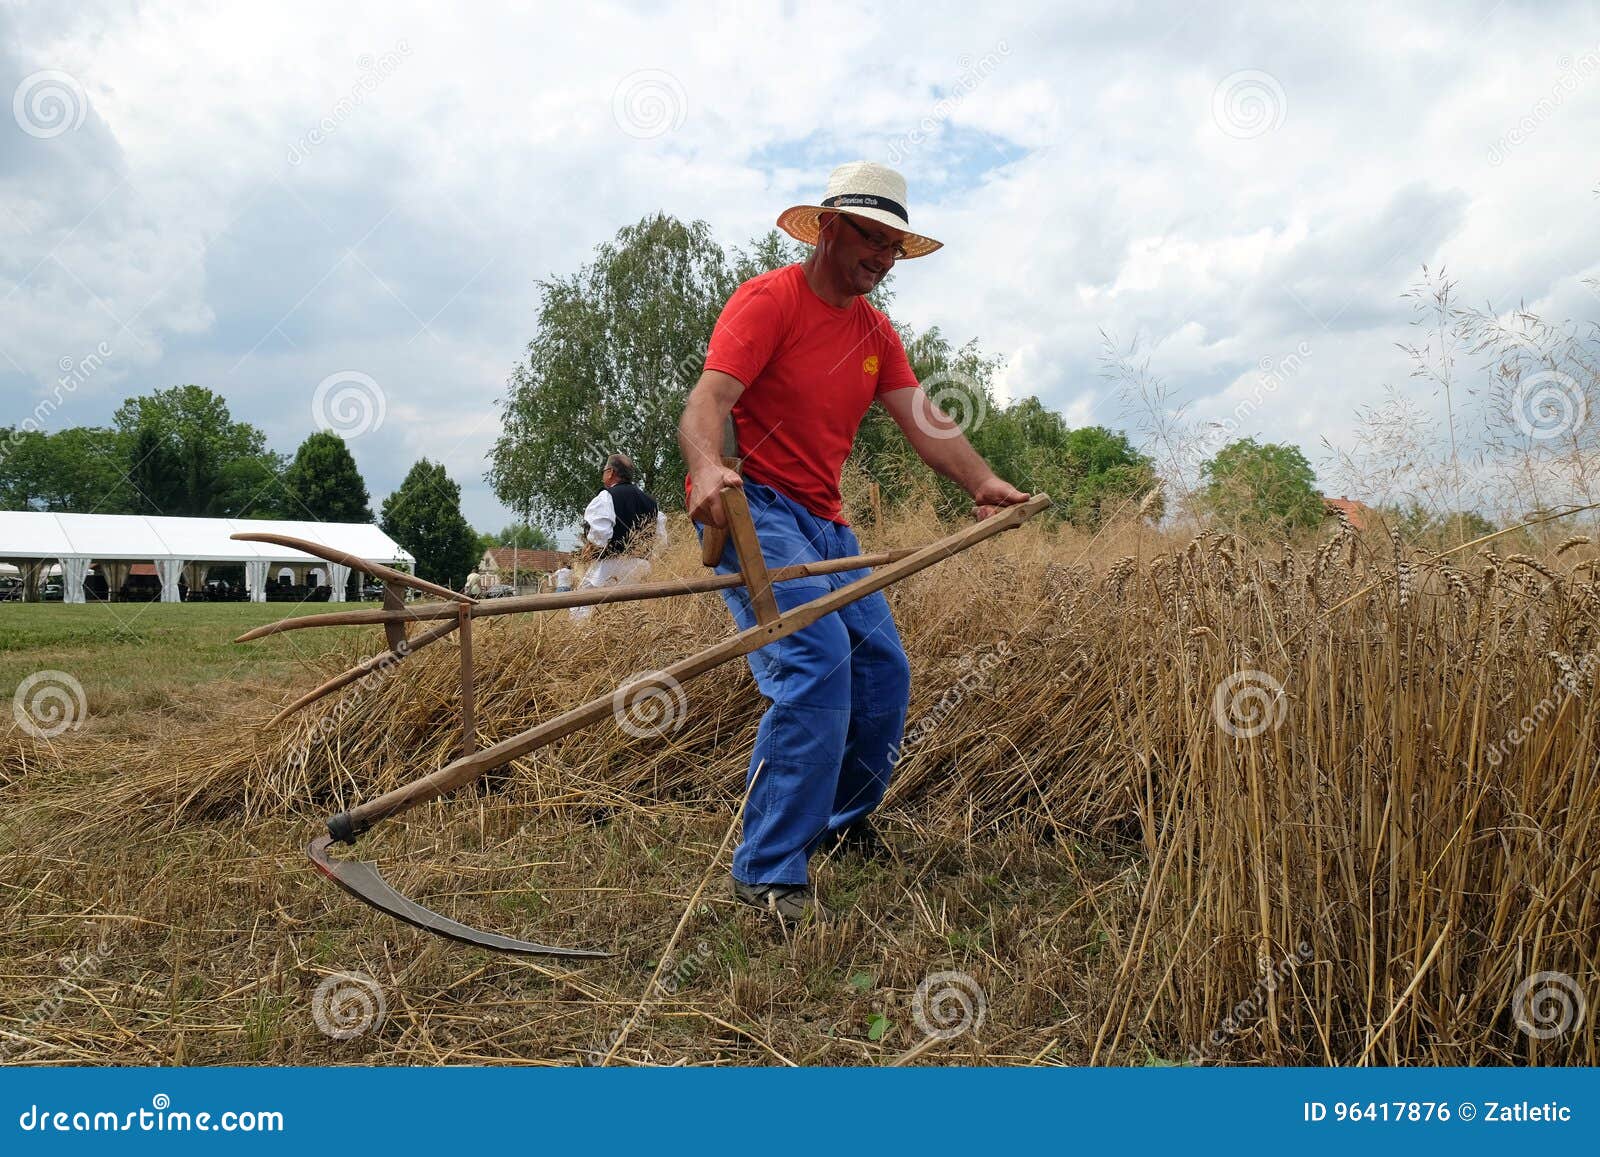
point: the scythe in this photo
(457, 613)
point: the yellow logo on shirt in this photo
(870, 366)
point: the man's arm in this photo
(599, 522)
(700, 439)
(940, 443)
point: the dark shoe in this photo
(859, 839)
(786, 901)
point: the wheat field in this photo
(1164, 799)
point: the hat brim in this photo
(803, 223)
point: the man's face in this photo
(608, 477)
(862, 251)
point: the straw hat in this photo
(862, 189)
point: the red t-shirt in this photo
(810, 371)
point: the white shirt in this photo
(601, 515)
(564, 579)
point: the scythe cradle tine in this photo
(449, 613)
(383, 659)
(363, 880)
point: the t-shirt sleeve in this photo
(747, 333)
(895, 372)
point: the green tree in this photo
(959, 382)
(153, 471)
(1104, 476)
(522, 536)
(1417, 524)
(517, 534)
(80, 468)
(1261, 487)
(25, 467)
(323, 483)
(424, 516)
(88, 472)
(618, 347)
(187, 456)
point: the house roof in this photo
(1359, 513)
(500, 558)
(35, 534)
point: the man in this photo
(474, 585)
(796, 358)
(622, 527)
(562, 578)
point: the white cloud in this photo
(1082, 185)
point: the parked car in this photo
(51, 593)
(371, 592)
(503, 591)
(10, 589)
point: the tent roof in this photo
(32, 534)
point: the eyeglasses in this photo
(876, 243)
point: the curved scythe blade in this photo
(364, 883)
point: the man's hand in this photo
(993, 495)
(940, 443)
(705, 493)
(700, 437)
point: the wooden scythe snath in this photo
(456, 614)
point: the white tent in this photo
(78, 541)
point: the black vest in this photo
(635, 527)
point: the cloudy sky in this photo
(256, 198)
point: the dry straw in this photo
(1360, 789)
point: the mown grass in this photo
(1363, 853)
(132, 658)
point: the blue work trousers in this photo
(838, 689)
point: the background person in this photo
(622, 528)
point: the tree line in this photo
(619, 343)
(179, 451)
(617, 347)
